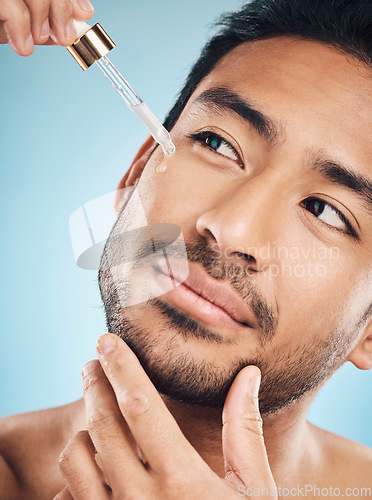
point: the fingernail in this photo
(89, 367)
(85, 5)
(254, 385)
(106, 345)
(53, 37)
(70, 30)
(11, 44)
(45, 29)
(29, 44)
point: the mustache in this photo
(236, 275)
(140, 244)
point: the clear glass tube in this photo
(136, 104)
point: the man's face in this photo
(265, 210)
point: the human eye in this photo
(330, 215)
(214, 142)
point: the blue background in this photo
(67, 138)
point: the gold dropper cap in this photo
(91, 46)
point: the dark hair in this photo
(344, 24)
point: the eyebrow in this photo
(345, 177)
(226, 100)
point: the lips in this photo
(208, 299)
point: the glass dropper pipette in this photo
(135, 103)
(91, 47)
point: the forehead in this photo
(320, 95)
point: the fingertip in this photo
(89, 367)
(21, 47)
(106, 335)
(251, 375)
(246, 384)
(89, 15)
(13, 46)
(63, 42)
(254, 384)
(64, 37)
(28, 47)
(106, 344)
(82, 10)
(42, 36)
(85, 7)
(252, 371)
(80, 15)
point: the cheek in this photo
(313, 292)
(175, 188)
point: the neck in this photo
(287, 436)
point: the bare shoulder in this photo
(30, 445)
(348, 461)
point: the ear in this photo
(134, 172)
(361, 355)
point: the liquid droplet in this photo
(161, 168)
(167, 145)
(170, 149)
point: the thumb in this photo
(243, 444)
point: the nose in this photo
(244, 223)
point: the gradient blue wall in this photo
(67, 138)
